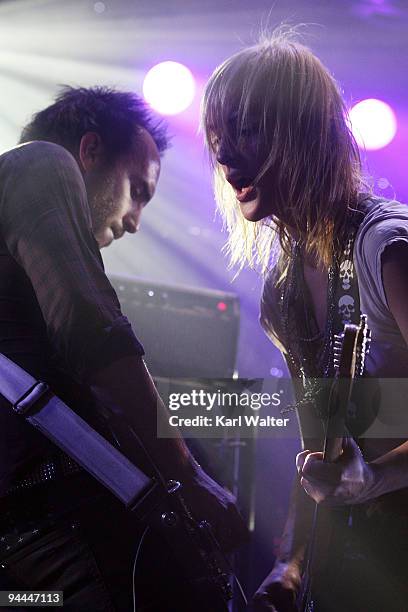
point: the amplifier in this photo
(186, 332)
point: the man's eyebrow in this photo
(146, 189)
(149, 190)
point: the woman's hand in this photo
(348, 480)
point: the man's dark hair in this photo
(114, 115)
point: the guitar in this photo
(204, 566)
(350, 349)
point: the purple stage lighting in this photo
(169, 87)
(373, 124)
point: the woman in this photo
(289, 185)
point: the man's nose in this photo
(131, 221)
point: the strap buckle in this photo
(28, 400)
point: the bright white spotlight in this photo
(373, 124)
(169, 87)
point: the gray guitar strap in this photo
(35, 401)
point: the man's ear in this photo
(91, 151)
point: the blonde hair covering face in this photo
(280, 89)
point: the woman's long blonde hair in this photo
(303, 130)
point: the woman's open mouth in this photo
(246, 194)
(243, 186)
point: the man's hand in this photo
(208, 500)
(348, 480)
(134, 404)
(278, 591)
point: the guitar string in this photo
(137, 555)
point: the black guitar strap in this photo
(347, 295)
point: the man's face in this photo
(119, 191)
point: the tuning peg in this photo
(367, 340)
(363, 320)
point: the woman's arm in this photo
(351, 480)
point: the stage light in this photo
(383, 183)
(99, 7)
(169, 87)
(373, 124)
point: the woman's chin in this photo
(254, 211)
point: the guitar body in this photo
(329, 527)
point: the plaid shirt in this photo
(60, 318)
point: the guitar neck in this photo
(333, 449)
(336, 418)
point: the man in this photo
(86, 167)
(288, 175)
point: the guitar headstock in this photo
(350, 349)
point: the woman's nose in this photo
(226, 156)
